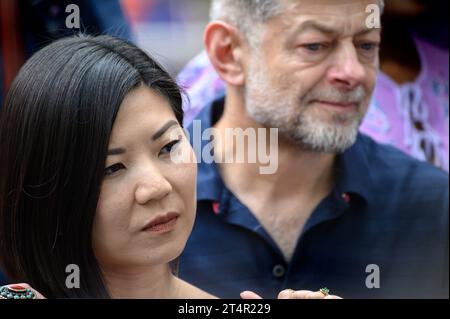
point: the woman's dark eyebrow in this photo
(158, 134)
(163, 129)
(116, 151)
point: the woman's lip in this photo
(162, 223)
(162, 228)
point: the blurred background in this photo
(170, 30)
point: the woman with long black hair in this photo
(89, 176)
(86, 176)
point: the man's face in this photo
(313, 73)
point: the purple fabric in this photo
(395, 111)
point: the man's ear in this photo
(225, 47)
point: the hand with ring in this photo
(323, 293)
(19, 291)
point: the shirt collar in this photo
(352, 167)
(353, 170)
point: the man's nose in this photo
(151, 185)
(347, 71)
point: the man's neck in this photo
(282, 201)
(300, 171)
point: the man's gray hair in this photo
(248, 15)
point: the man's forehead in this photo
(327, 16)
(337, 8)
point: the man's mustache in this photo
(333, 95)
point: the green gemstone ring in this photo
(16, 292)
(325, 291)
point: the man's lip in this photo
(162, 219)
(337, 104)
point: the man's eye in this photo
(113, 169)
(368, 46)
(169, 147)
(313, 47)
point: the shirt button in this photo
(278, 271)
(216, 208)
(346, 197)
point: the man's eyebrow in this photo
(313, 25)
(163, 129)
(367, 31)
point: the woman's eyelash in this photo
(110, 170)
(169, 147)
(113, 168)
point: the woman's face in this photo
(147, 202)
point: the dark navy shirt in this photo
(381, 233)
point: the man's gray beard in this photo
(304, 129)
(316, 136)
(309, 133)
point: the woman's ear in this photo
(225, 47)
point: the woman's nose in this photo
(152, 185)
